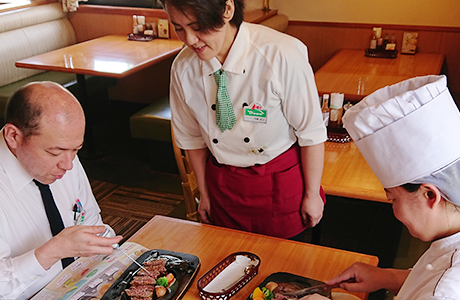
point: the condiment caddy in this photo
(146, 31)
(332, 108)
(381, 47)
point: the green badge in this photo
(255, 113)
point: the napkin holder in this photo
(377, 53)
(338, 135)
(140, 37)
(217, 269)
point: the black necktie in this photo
(54, 217)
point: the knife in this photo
(322, 289)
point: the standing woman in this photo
(245, 107)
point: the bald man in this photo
(44, 130)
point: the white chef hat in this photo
(409, 133)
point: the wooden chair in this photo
(189, 184)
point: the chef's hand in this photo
(312, 210)
(75, 241)
(370, 279)
(204, 210)
(314, 297)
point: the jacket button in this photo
(213, 107)
(257, 165)
(260, 150)
(215, 141)
(245, 104)
(246, 140)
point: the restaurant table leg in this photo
(88, 151)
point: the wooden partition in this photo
(326, 39)
(92, 21)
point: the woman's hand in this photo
(312, 210)
(312, 168)
(204, 210)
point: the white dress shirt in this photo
(263, 66)
(24, 225)
(436, 275)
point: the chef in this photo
(409, 135)
(245, 107)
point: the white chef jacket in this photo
(24, 225)
(263, 66)
(436, 275)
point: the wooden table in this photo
(109, 56)
(347, 174)
(342, 73)
(212, 244)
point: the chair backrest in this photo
(189, 184)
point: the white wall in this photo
(401, 12)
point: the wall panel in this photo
(324, 39)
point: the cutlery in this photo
(116, 247)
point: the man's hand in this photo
(75, 241)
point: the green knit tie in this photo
(225, 116)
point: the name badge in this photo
(255, 113)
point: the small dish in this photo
(232, 290)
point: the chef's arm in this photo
(198, 159)
(399, 276)
(312, 165)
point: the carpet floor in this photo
(127, 209)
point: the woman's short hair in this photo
(208, 13)
(411, 187)
(22, 113)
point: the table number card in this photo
(409, 43)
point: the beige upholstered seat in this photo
(189, 184)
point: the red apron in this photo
(263, 199)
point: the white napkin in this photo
(230, 275)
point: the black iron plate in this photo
(282, 277)
(183, 266)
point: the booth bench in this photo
(31, 31)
